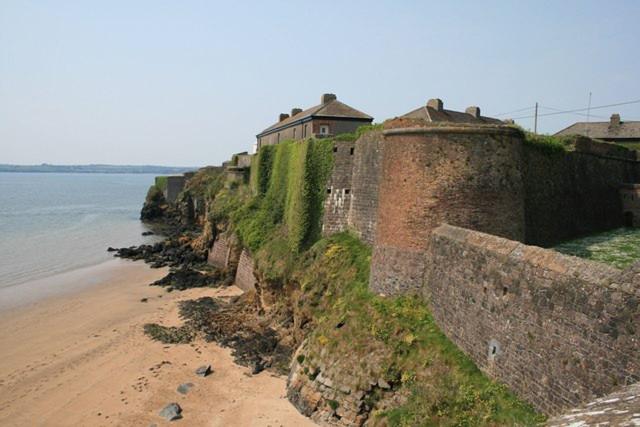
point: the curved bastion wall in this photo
(464, 175)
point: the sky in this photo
(189, 83)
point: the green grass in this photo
(444, 386)
(161, 182)
(619, 248)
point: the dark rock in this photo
(144, 300)
(184, 388)
(148, 233)
(110, 249)
(171, 412)
(257, 367)
(203, 370)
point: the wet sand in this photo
(82, 359)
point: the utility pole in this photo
(535, 121)
(588, 115)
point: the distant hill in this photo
(160, 170)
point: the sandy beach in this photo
(81, 359)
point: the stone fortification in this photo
(558, 330)
(575, 193)
(464, 175)
(245, 276)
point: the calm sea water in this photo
(52, 223)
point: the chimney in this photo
(436, 104)
(295, 111)
(327, 97)
(283, 116)
(474, 111)
(615, 120)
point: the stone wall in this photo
(245, 278)
(464, 175)
(338, 197)
(557, 330)
(570, 194)
(365, 184)
(175, 185)
(620, 408)
(225, 252)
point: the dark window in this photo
(335, 149)
(351, 151)
(294, 133)
(328, 191)
(347, 191)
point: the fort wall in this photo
(245, 278)
(365, 181)
(338, 197)
(225, 252)
(558, 330)
(575, 193)
(469, 176)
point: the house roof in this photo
(431, 114)
(604, 130)
(330, 109)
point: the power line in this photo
(515, 111)
(578, 110)
(577, 114)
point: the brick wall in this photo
(364, 185)
(467, 176)
(575, 193)
(338, 197)
(245, 278)
(557, 330)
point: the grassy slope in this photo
(444, 386)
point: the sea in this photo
(52, 223)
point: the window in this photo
(304, 131)
(278, 136)
(351, 150)
(294, 133)
(328, 191)
(324, 129)
(347, 191)
(335, 149)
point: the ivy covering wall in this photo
(287, 193)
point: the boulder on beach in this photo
(203, 370)
(184, 388)
(171, 412)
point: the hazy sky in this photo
(191, 82)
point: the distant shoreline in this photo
(115, 169)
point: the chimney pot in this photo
(328, 97)
(615, 120)
(474, 111)
(295, 111)
(283, 116)
(435, 103)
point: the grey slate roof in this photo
(604, 130)
(331, 109)
(431, 114)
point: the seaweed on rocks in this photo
(186, 278)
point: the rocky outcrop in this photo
(338, 390)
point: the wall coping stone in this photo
(470, 130)
(540, 257)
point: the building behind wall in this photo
(615, 130)
(330, 117)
